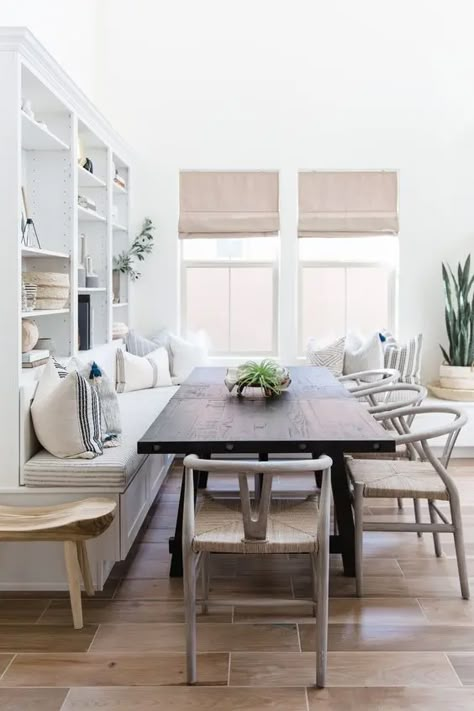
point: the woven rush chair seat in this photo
(397, 478)
(291, 528)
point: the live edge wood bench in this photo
(73, 523)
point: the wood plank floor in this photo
(408, 643)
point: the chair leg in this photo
(436, 539)
(459, 545)
(205, 581)
(322, 564)
(74, 581)
(85, 567)
(314, 578)
(400, 504)
(416, 506)
(189, 584)
(359, 535)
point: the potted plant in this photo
(267, 375)
(457, 371)
(124, 263)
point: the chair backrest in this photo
(363, 383)
(397, 396)
(402, 420)
(255, 513)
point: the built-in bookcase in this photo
(40, 155)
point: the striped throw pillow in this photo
(66, 414)
(330, 357)
(405, 358)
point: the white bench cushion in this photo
(117, 465)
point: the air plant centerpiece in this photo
(124, 262)
(457, 371)
(271, 378)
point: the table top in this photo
(315, 415)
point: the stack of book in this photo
(34, 358)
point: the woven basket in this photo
(53, 289)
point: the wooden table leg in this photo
(344, 541)
(176, 543)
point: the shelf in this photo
(118, 189)
(86, 215)
(36, 138)
(89, 180)
(122, 303)
(119, 228)
(42, 253)
(45, 312)
(91, 289)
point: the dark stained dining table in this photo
(315, 416)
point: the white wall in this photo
(67, 28)
(288, 85)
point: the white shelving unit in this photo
(40, 154)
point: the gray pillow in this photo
(141, 346)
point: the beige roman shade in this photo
(228, 204)
(347, 203)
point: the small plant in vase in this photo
(124, 263)
(457, 371)
(267, 375)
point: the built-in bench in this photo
(133, 480)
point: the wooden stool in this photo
(73, 523)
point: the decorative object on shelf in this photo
(267, 375)
(124, 262)
(24, 300)
(47, 344)
(52, 289)
(29, 335)
(92, 279)
(86, 203)
(81, 269)
(29, 235)
(30, 291)
(119, 330)
(457, 371)
(27, 108)
(82, 159)
(119, 180)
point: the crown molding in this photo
(22, 41)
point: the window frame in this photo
(186, 264)
(343, 264)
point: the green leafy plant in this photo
(459, 314)
(267, 375)
(141, 246)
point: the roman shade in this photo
(228, 204)
(347, 203)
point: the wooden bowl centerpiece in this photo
(271, 378)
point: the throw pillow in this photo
(139, 373)
(139, 345)
(405, 358)
(186, 356)
(330, 357)
(66, 415)
(360, 355)
(105, 388)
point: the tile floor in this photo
(408, 644)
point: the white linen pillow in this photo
(186, 356)
(406, 358)
(360, 355)
(140, 373)
(66, 415)
(105, 388)
(330, 357)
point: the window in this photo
(229, 290)
(346, 284)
